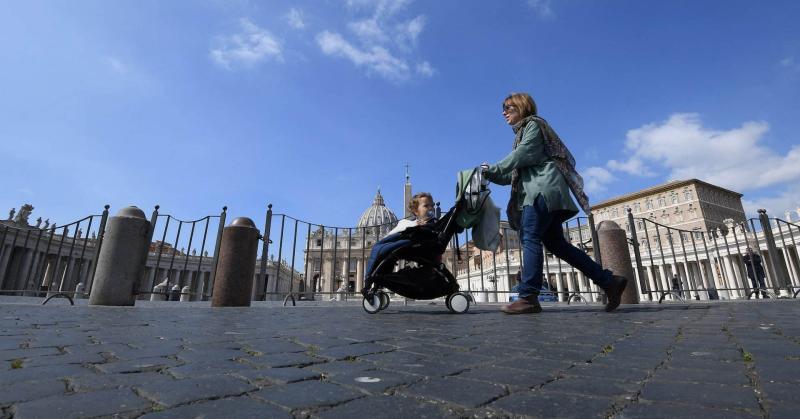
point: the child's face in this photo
(425, 204)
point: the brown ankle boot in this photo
(523, 305)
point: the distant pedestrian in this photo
(541, 172)
(676, 285)
(755, 271)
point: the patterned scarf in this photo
(558, 152)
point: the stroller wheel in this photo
(372, 304)
(458, 302)
(384, 299)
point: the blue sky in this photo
(311, 105)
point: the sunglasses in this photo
(509, 108)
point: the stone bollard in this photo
(617, 257)
(237, 264)
(186, 293)
(120, 263)
(79, 290)
(159, 292)
(175, 293)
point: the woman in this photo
(540, 191)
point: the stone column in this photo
(27, 258)
(792, 265)
(4, 262)
(326, 276)
(237, 264)
(359, 275)
(121, 259)
(617, 257)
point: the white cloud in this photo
(542, 8)
(380, 8)
(595, 179)
(424, 68)
(117, 66)
(408, 32)
(733, 159)
(790, 63)
(368, 30)
(295, 19)
(376, 59)
(247, 48)
(776, 205)
(384, 43)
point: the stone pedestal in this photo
(119, 265)
(237, 264)
(617, 257)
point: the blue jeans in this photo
(539, 227)
(383, 247)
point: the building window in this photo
(614, 213)
(637, 207)
(687, 194)
(319, 242)
(316, 265)
(674, 198)
(662, 202)
(648, 204)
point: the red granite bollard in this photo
(237, 264)
(617, 257)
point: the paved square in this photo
(721, 359)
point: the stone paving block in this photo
(553, 405)
(239, 407)
(390, 358)
(374, 381)
(468, 393)
(783, 412)
(648, 410)
(279, 375)
(170, 393)
(84, 383)
(271, 346)
(27, 353)
(734, 376)
(529, 363)
(593, 386)
(97, 403)
(704, 394)
(339, 367)
(778, 370)
(136, 365)
(781, 393)
(166, 350)
(64, 359)
(429, 367)
(278, 360)
(42, 373)
(31, 390)
(507, 376)
(199, 354)
(385, 407)
(352, 351)
(206, 368)
(307, 394)
(614, 372)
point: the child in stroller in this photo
(427, 278)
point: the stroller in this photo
(427, 277)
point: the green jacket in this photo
(538, 174)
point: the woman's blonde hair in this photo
(523, 102)
(414, 203)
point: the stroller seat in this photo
(428, 278)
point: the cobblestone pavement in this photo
(723, 359)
